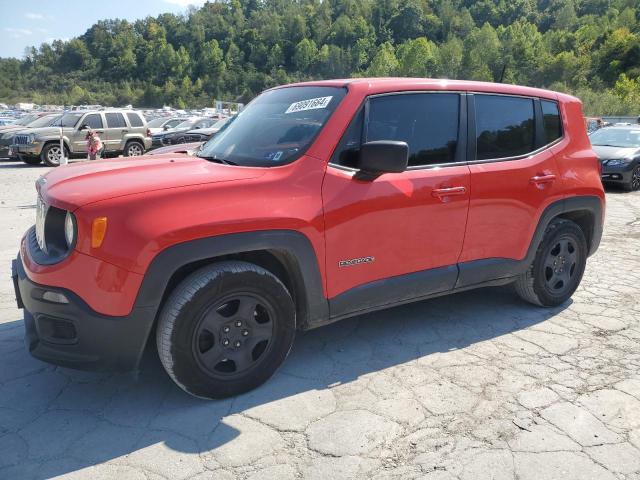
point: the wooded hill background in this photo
(233, 49)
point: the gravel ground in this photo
(472, 386)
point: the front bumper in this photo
(72, 334)
(31, 149)
(618, 174)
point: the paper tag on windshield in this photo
(311, 104)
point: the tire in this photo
(225, 329)
(50, 154)
(29, 160)
(558, 266)
(133, 148)
(634, 183)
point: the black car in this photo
(177, 134)
(618, 149)
(204, 134)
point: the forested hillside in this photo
(234, 49)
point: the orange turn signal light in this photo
(98, 231)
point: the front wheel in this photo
(225, 329)
(634, 183)
(558, 266)
(52, 154)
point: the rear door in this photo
(398, 236)
(513, 179)
(115, 132)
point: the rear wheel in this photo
(558, 266)
(133, 149)
(634, 183)
(225, 329)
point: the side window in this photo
(173, 123)
(347, 150)
(428, 122)
(551, 121)
(94, 120)
(115, 120)
(504, 126)
(134, 119)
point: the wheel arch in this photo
(287, 254)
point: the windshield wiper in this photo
(217, 160)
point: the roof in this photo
(389, 84)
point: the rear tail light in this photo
(599, 167)
(148, 132)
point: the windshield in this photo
(26, 120)
(275, 128)
(69, 119)
(186, 124)
(616, 137)
(156, 122)
(220, 123)
(44, 121)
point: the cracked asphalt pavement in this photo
(472, 386)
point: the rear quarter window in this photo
(504, 126)
(551, 121)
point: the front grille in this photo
(21, 139)
(41, 215)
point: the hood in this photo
(50, 131)
(78, 184)
(608, 153)
(11, 128)
(183, 148)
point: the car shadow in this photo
(57, 421)
(17, 165)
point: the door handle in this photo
(448, 192)
(99, 131)
(542, 179)
(124, 131)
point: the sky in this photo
(25, 23)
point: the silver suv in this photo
(121, 131)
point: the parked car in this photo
(7, 132)
(177, 134)
(269, 228)
(205, 134)
(121, 131)
(7, 138)
(618, 149)
(162, 124)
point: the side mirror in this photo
(84, 126)
(165, 128)
(383, 156)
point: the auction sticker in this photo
(311, 104)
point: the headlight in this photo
(30, 138)
(70, 229)
(616, 162)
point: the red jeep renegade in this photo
(320, 201)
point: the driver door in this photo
(94, 122)
(398, 236)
